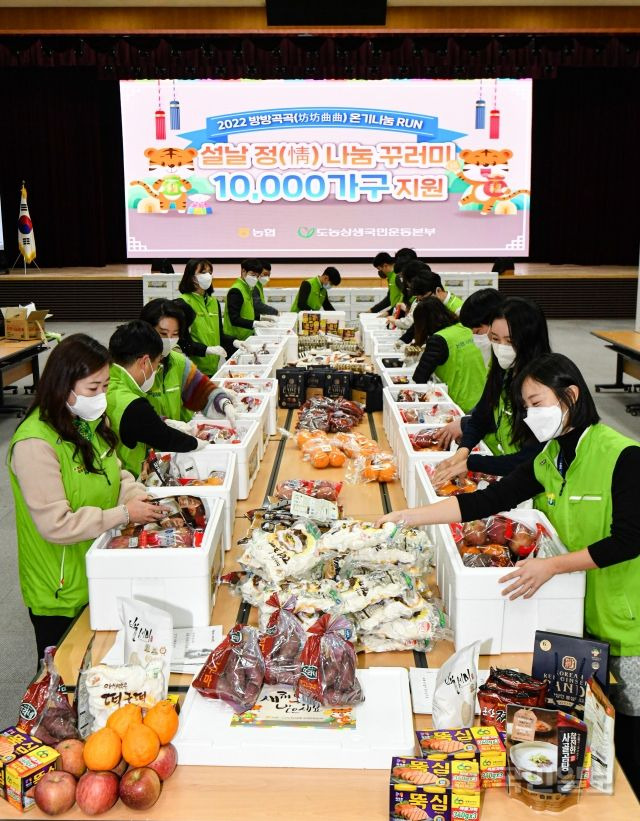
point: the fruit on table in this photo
(123, 718)
(163, 719)
(72, 756)
(103, 749)
(55, 793)
(97, 792)
(140, 746)
(336, 458)
(165, 762)
(140, 788)
(320, 459)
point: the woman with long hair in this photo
(585, 480)
(67, 485)
(518, 335)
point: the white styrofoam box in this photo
(156, 286)
(330, 316)
(261, 414)
(384, 728)
(242, 372)
(280, 298)
(260, 386)
(286, 340)
(478, 610)
(277, 348)
(458, 283)
(362, 299)
(390, 396)
(426, 495)
(181, 580)
(433, 412)
(199, 464)
(247, 360)
(388, 375)
(408, 457)
(248, 452)
(381, 333)
(479, 281)
(340, 298)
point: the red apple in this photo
(55, 793)
(140, 788)
(121, 769)
(71, 756)
(165, 762)
(475, 533)
(97, 792)
(497, 530)
(522, 542)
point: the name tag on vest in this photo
(585, 498)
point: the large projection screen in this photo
(326, 168)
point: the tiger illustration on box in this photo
(484, 170)
(171, 189)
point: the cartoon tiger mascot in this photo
(169, 189)
(484, 170)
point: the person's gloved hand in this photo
(229, 411)
(267, 318)
(261, 323)
(217, 350)
(241, 345)
(235, 399)
(202, 444)
(178, 424)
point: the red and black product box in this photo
(291, 387)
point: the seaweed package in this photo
(328, 674)
(234, 671)
(282, 643)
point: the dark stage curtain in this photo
(586, 128)
(61, 133)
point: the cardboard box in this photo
(482, 744)
(409, 803)
(23, 774)
(20, 324)
(436, 776)
(14, 744)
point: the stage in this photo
(115, 292)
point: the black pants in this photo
(627, 738)
(49, 630)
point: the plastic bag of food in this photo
(355, 444)
(321, 453)
(425, 440)
(104, 688)
(498, 536)
(328, 675)
(454, 696)
(316, 488)
(282, 643)
(148, 638)
(379, 467)
(234, 671)
(45, 711)
(282, 554)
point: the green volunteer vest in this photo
(395, 292)
(260, 288)
(464, 371)
(453, 303)
(165, 395)
(122, 391)
(580, 509)
(500, 442)
(317, 296)
(204, 329)
(53, 578)
(246, 312)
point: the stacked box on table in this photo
(181, 580)
(258, 386)
(363, 299)
(311, 323)
(199, 464)
(422, 789)
(242, 372)
(248, 447)
(437, 393)
(433, 413)
(478, 611)
(248, 360)
(483, 746)
(24, 759)
(379, 333)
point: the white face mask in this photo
(89, 408)
(251, 280)
(545, 422)
(483, 343)
(168, 345)
(148, 383)
(204, 281)
(264, 280)
(328, 286)
(505, 354)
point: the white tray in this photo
(384, 728)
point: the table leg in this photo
(619, 384)
(35, 369)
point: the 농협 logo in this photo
(235, 636)
(569, 663)
(310, 671)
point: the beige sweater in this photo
(36, 467)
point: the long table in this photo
(18, 358)
(236, 794)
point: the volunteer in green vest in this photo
(518, 335)
(449, 352)
(448, 298)
(261, 308)
(383, 263)
(180, 389)
(204, 341)
(68, 486)
(585, 480)
(477, 313)
(137, 351)
(313, 294)
(240, 316)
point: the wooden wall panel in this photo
(493, 19)
(576, 298)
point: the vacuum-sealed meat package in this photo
(234, 671)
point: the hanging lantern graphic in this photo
(481, 110)
(174, 111)
(494, 116)
(161, 120)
